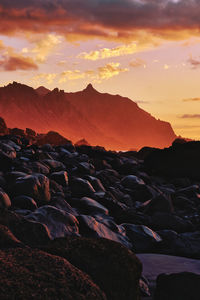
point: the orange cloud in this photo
(108, 53)
(105, 19)
(14, 63)
(110, 70)
(191, 99)
(101, 73)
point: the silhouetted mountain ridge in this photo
(112, 121)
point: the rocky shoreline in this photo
(74, 218)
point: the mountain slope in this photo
(122, 119)
(102, 119)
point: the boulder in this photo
(4, 200)
(34, 274)
(81, 187)
(92, 227)
(112, 266)
(60, 177)
(131, 181)
(177, 286)
(142, 238)
(35, 186)
(24, 202)
(89, 206)
(7, 238)
(58, 222)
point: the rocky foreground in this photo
(73, 220)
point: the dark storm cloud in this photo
(99, 17)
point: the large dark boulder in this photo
(7, 238)
(112, 266)
(33, 274)
(177, 286)
(81, 187)
(180, 160)
(142, 237)
(94, 227)
(35, 186)
(58, 222)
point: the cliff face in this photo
(111, 121)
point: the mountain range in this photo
(112, 121)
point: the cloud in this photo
(12, 61)
(137, 63)
(104, 19)
(108, 53)
(166, 67)
(71, 75)
(110, 70)
(191, 99)
(47, 77)
(101, 73)
(190, 116)
(44, 46)
(194, 63)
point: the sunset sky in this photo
(147, 50)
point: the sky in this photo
(147, 50)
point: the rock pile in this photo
(84, 212)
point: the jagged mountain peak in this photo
(42, 91)
(90, 88)
(111, 121)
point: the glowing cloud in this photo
(48, 78)
(108, 53)
(71, 75)
(137, 63)
(44, 47)
(101, 73)
(110, 70)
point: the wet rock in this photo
(131, 181)
(114, 268)
(81, 187)
(24, 202)
(96, 183)
(85, 168)
(183, 286)
(184, 244)
(161, 221)
(54, 165)
(39, 167)
(33, 274)
(89, 206)
(142, 237)
(59, 222)
(4, 200)
(35, 186)
(7, 238)
(90, 227)
(30, 233)
(161, 203)
(60, 177)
